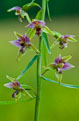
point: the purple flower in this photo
(61, 64)
(23, 42)
(16, 8)
(37, 25)
(18, 12)
(63, 40)
(15, 85)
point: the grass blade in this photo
(28, 66)
(45, 39)
(14, 102)
(62, 84)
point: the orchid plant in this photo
(37, 27)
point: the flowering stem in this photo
(38, 97)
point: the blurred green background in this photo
(57, 103)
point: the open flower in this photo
(19, 12)
(61, 64)
(23, 42)
(37, 25)
(16, 86)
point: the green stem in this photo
(38, 97)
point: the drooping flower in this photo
(23, 42)
(37, 25)
(19, 12)
(62, 40)
(16, 86)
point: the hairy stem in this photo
(38, 97)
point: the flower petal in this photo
(67, 66)
(9, 85)
(58, 60)
(27, 40)
(17, 8)
(16, 43)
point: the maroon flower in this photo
(63, 40)
(15, 85)
(61, 64)
(23, 42)
(18, 12)
(37, 25)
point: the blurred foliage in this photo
(57, 7)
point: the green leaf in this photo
(48, 10)
(29, 6)
(62, 84)
(28, 66)
(45, 39)
(38, 16)
(14, 102)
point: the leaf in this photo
(38, 16)
(45, 39)
(29, 6)
(28, 66)
(48, 10)
(62, 84)
(14, 102)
